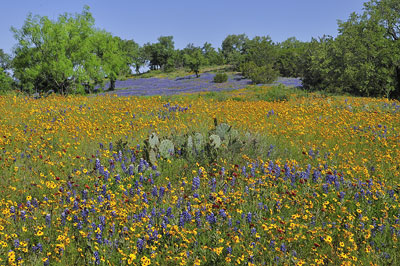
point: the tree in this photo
(5, 60)
(113, 60)
(364, 59)
(195, 60)
(160, 54)
(211, 55)
(66, 55)
(259, 59)
(289, 57)
(134, 54)
(6, 82)
(386, 13)
(317, 67)
(233, 49)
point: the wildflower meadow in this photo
(196, 180)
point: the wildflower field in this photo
(195, 180)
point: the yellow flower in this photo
(328, 239)
(132, 257)
(145, 261)
(218, 250)
(39, 233)
(28, 198)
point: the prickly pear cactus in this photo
(198, 141)
(153, 156)
(153, 140)
(166, 148)
(189, 145)
(222, 130)
(215, 141)
(180, 142)
(234, 134)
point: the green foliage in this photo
(6, 82)
(290, 54)
(113, 60)
(65, 55)
(160, 54)
(221, 78)
(5, 60)
(260, 50)
(194, 61)
(318, 71)
(233, 49)
(276, 94)
(212, 56)
(259, 74)
(134, 54)
(364, 57)
(259, 57)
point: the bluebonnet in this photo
(196, 183)
(187, 84)
(211, 218)
(97, 257)
(283, 248)
(154, 192)
(249, 216)
(48, 219)
(140, 244)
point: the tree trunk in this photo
(112, 84)
(396, 93)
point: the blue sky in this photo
(191, 21)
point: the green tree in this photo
(318, 70)
(66, 55)
(386, 13)
(135, 54)
(113, 60)
(212, 56)
(259, 59)
(289, 57)
(233, 49)
(160, 54)
(6, 82)
(195, 60)
(5, 60)
(364, 59)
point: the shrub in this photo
(259, 74)
(276, 93)
(221, 78)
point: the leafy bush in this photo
(221, 78)
(259, 74)
(276, 93)
(5, 81)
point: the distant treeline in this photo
(70, 55)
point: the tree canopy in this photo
(71, 55)
(66, 55)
